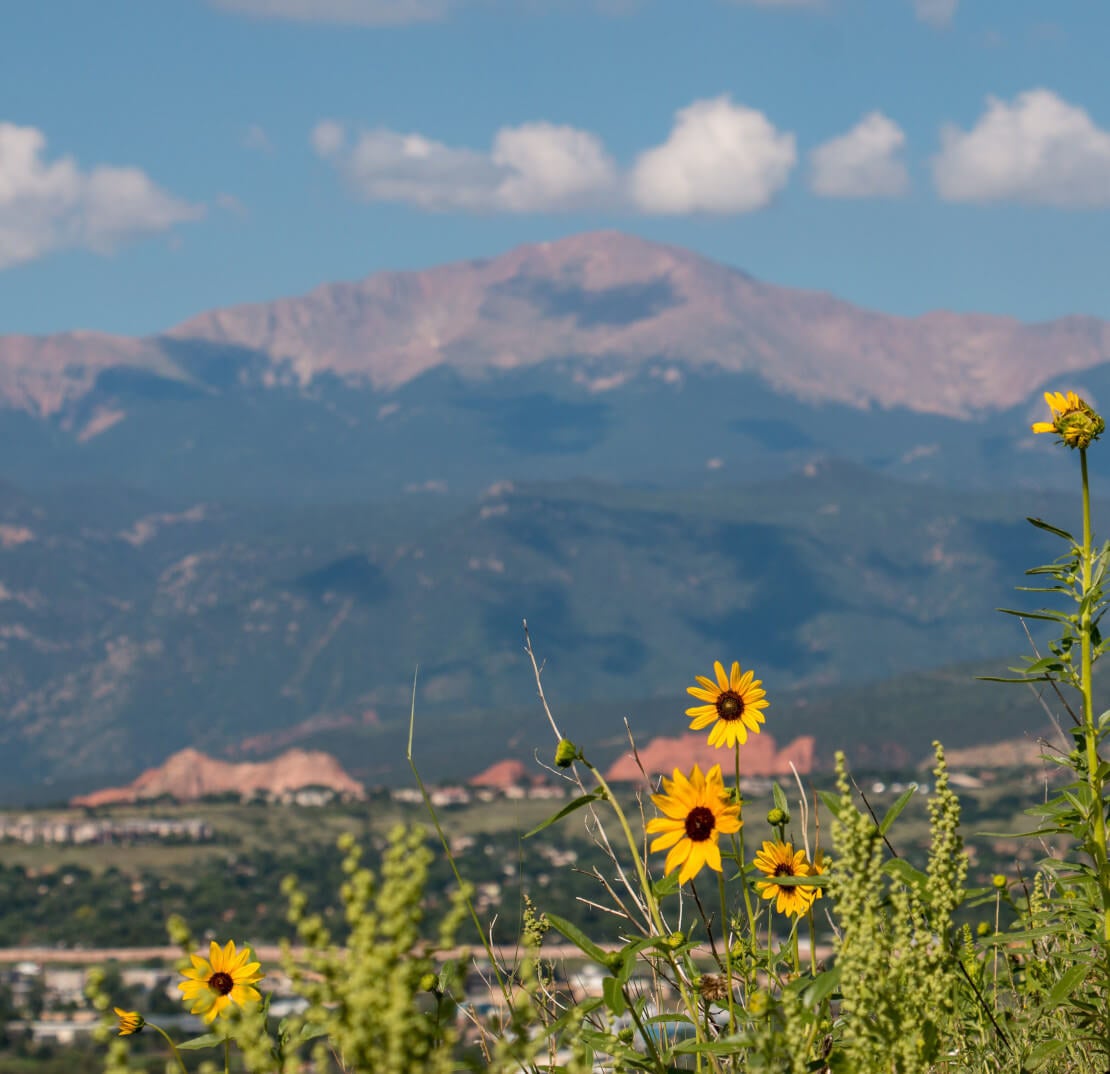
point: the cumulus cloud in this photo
(720, 157)
(864, 163)
(1039, 150)
(937, 13)
(355, 12)
(535, 167)
(53, 205)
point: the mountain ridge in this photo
(610, 303)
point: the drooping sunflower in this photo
(1073, 420)
(224, 978)
(129, 1021)
(733, 705)
(696, 811)
(781, 859)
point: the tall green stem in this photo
(728, 951)
(739, 840)
(173, 1047)
(1090, 732)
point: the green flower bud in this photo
(676, 939)
(999, 881)
(758, 1004)
(429, 983)
(625, 1035)
(778, 817)
(566, 753)
(983, 928)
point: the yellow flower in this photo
(734, 703)
(695, 813)
(225, 977)
(1073, 420)
(818, 867)
(129, 1021)
(781, 859)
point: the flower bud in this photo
(566, 753)
(778, 817)
(999, 881)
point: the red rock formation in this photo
(502, 774)
(759, 756)
(190, 774)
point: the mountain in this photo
(600, 354)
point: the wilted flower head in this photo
(129, 1021)
(1073, 420)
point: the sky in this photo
(163, 157)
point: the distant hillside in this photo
(128, 630)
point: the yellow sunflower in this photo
(1073, 420)
(695, 813)
(818, 867)
(129, 1021)
(733, 704)
(225, 977)
(781, 859)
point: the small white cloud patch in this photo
(536, 167)
(1037, 150)
(938, 13)
(353, 12)
(863, 163)
(720, 157)
(53, 205)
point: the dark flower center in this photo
(784, 868)
(221, 983)
(730, 706)
(700, 823)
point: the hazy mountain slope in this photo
(128, 631)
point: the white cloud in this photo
(720, 157)
(937, 13)
(536, 167)
(256, 138)
(328, 137)
(356, 12)
(1039, 150)
(46, 206)
(864, 163)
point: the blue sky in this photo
(161, 158)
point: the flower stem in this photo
(227, 1055)
(1090, 732)
(173, 1047)
(739, 838)
(812, 941)
(728, 951)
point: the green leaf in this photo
(209, 1040)
(570, 807)
(896, 807)
(1046, 615)
(779, 796)
(1067, 984)
(614, 996)
(578, 938)
(902, 870)
(832, 802)
(822, 986)
(1048, 528)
